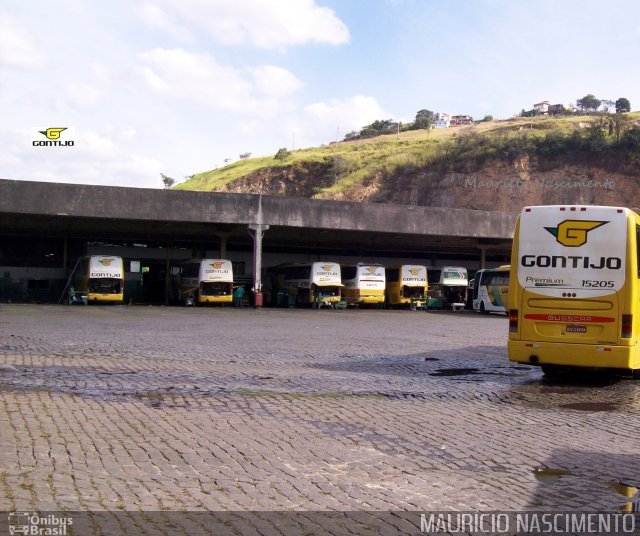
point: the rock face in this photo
(496, 185)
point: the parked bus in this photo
(407, 285)
(574, 287)
(450, 285)
(99, 279)
(317, 284)
(490, 290)
(206, 281)
(363, 284)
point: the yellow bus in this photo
(317, 283)
(99, 279)
(490, 290)
(573, 291)
(363, 284)
(406, 285)
(206, 281)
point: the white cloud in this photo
(264, 23)
(84, 97)
(156, 17)
(345, 115)
(17, 47)
(275, 81)
(200, 79)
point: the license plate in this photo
(576, 329)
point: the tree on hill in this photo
(588, 103)
(282, 154)
(167, 181)
(623, 105)
(424, 119)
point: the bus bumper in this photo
(574, 355)
(105, 298)
(215, 299)
(370, 299)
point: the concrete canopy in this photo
(118, 213)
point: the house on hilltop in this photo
(541, 108)
(461, 120)
(441, 120)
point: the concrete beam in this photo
(173, 206)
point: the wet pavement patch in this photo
(547, 474)
(591, 406)
(455, 372)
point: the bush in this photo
(282, 154)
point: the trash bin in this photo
(258, 299)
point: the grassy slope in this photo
(363, 158)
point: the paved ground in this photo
(153, 409)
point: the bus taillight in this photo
(626, 327)
(513, 320)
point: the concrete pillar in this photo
(167, 274)
(483, 257)
(223, 245)
(258, 229)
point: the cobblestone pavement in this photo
(152, 409)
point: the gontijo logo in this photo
(573, 233)
(52, 136)
(414, 271)
(216, 265)
(105, 262)
(52, 133)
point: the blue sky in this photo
(180, 86)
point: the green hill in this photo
(609, 143)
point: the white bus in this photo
(207, 281)
(449, 284)
(99, 279)
(315, 284)
(363, 284)
(490, 290)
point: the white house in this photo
(441, 120)
(542, 108)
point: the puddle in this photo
(455, 372)
(591, 406)
(546, 474)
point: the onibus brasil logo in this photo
(52, 136)
(573, 233)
